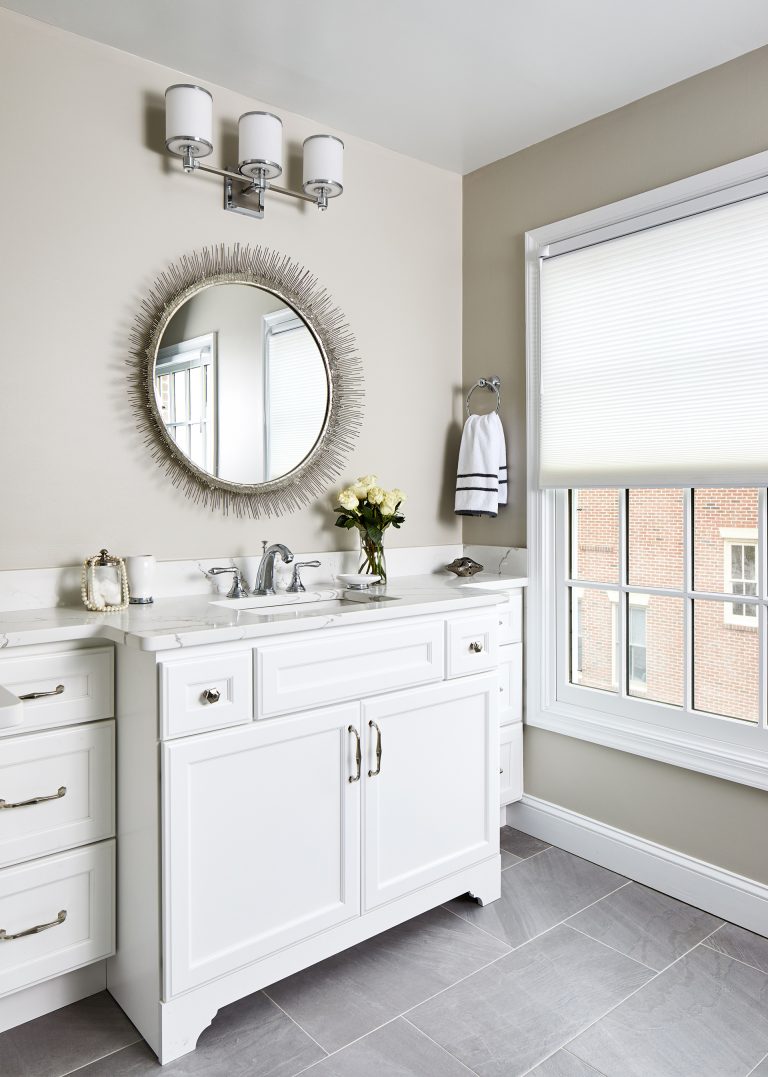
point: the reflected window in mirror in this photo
(185, 379)
(295, 392)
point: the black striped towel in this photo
(481, 481)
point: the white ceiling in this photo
(458, 83)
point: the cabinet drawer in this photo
(472, 644)
(511, 683)
(511, 764)
(74, 892)
(510, 618)
(203, 694)
(329, 669)
(77, 686)
(72, 772)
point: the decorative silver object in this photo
(464, 566)
(292, 283)
(104, 583)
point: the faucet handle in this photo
(296, 585)
(236, 590)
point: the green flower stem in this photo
(372, 560)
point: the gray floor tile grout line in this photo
(397, 1016)
(608, 946)
(763, 1059)
(482, 930)
(527, 859)
(445, 1050)
(738, 960)
(599, 1073)
(301, 1029)
(101, 1058)
(621, 1003)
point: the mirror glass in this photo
(241, 384)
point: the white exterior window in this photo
(646, 517)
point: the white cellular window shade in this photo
(296, 397)
(654, 355)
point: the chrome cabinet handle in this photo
(373, 773)
(475, 647)
(358, 754)
(43, 695)
(211, 695)
(62, 792)
(5, 937)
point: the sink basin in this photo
(297, 609)
(255, 603)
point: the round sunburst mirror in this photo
(246, 380)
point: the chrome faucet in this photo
(265, 578)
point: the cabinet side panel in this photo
(133, 975)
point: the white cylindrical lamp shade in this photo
(323, 165)
(188, 120)
(260, 144)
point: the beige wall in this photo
(706, 121)
(100, 213)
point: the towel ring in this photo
(493, 383)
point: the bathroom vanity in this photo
(290, 781)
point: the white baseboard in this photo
(26, 1005)
(732, 897)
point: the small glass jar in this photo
(104, 584)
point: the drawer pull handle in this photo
(475, 647)
(4, 937)
(358, 754)
(43, 695)
(62, 792)
(373, 773)
(211, 695)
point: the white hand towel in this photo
(481, 481)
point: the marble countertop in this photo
(193, 620)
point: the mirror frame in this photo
(299, 289)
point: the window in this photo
(184, 386)
(648, 602)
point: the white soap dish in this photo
(358, 581)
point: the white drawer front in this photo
(72, 772)
(472, 644)
(76, 686)
(511, 683)
(297, 676)
(510, 618)
(511, 763)
(79, 884)
(202, 694)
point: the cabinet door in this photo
(432, 808)
(262, 841)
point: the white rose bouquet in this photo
(371, 509)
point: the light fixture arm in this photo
(250, 186)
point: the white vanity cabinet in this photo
(57, 824)
(361, 790)
(509, 618)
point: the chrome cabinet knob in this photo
(211, 695)
(475, 647)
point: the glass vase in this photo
(372, 558)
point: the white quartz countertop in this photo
(193, 620)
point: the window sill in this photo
(711, 757)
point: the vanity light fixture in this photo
(189, 135)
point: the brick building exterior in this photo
(725, 635)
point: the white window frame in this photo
(736, 536)
(708, 743)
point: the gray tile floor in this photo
(574, 972)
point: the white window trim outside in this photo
(710, 744)
(735, 536)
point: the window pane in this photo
(726, 659)
(724, 538)
(595, 535)
(196, 403)
(655, 649)
(180, 396)
(655, 539)
(593, 638)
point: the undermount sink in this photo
(255, 603)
